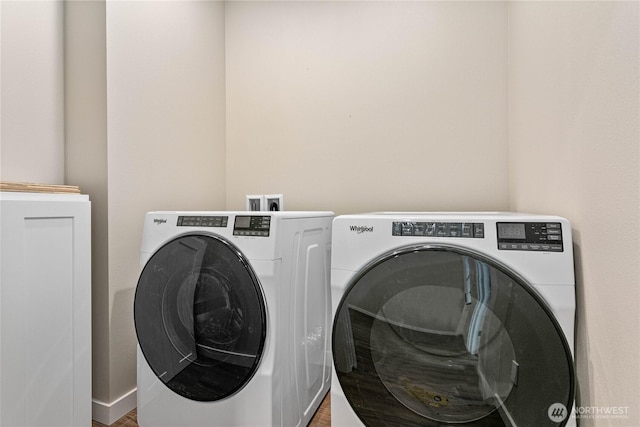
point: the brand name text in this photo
(361, 229)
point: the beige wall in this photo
(350, 106)
(574, 151)
(166, 138)
(362, 106)
(141, 103)
(145, 131)
(32, 100)
(86, 157)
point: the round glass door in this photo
(200, 317)
(435, 336)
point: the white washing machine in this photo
(452, 319)
(232, 313)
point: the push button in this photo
(430, 229)
(407, 229)
(396, 229)
(442, 230)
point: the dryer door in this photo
(435, 336)
(200, 317)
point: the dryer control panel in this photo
(202, 221)
(529, 236)
(438, 229)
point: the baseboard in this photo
(109, 413)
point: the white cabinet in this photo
(45, 310)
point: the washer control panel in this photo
(470, 230)
(530, 236)
(203, 221)
(250, 225)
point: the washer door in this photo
(435, 335)
(200, 317)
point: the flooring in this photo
(322, 418)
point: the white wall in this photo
(574, 151)
(349, 106)
(138, 89)
(358, 106)
(31, 89)
(145, 130)
(166, 138)
(86, 158)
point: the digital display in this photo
(252, 226)
(511, 231)
(243, 221)
(530, 236)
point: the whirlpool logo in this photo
(359, 229)
(159, 221)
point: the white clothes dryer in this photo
(452, 319)
(232, 314)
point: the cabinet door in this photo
(45, 310)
